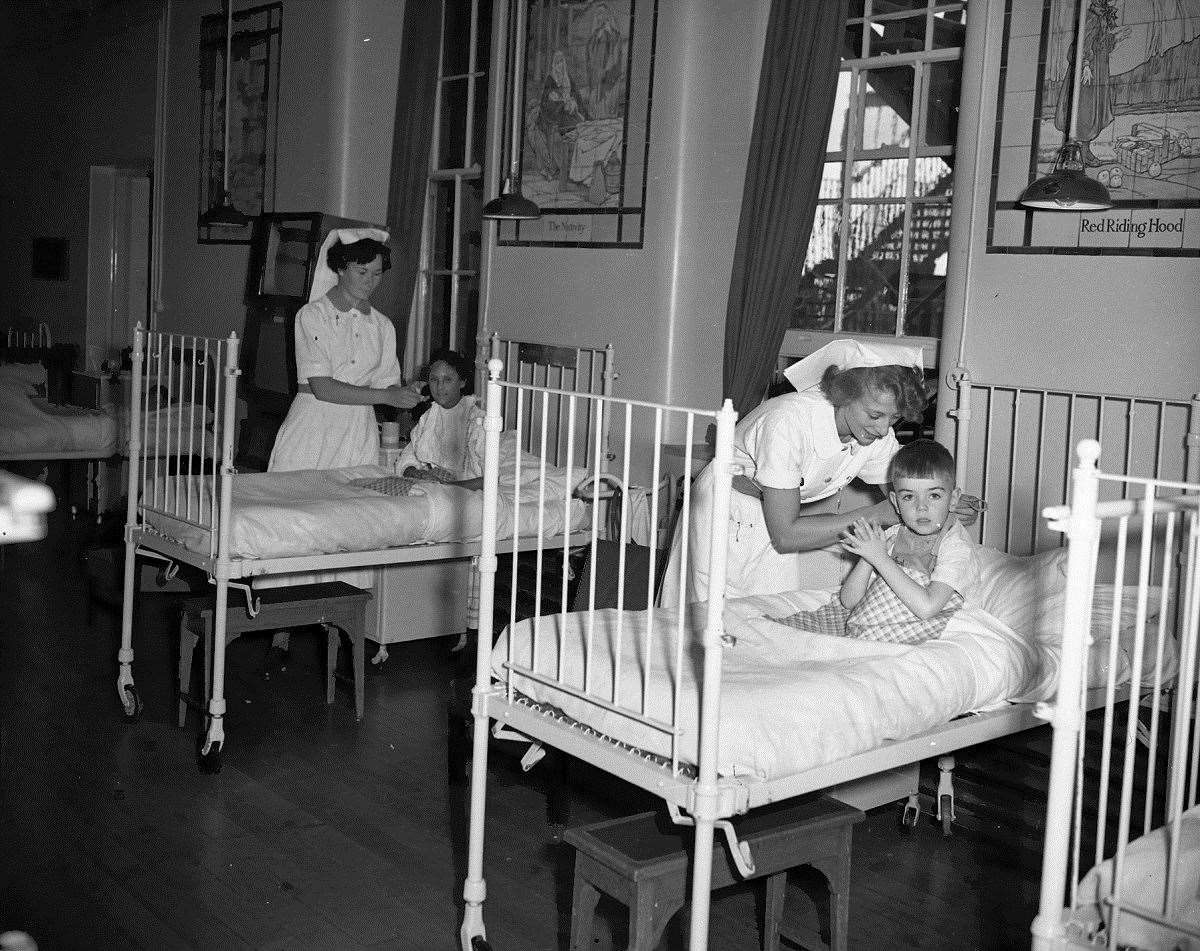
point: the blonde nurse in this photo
(346, 360)
(798, 452)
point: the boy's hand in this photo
(967, 509)
(866, 540)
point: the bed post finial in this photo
(1088, 452)
(495, 368)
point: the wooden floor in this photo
(323, 833)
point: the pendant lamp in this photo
(224, 213)
(1067, 188)
(511, 204)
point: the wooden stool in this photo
(334, 604)
(644, 862)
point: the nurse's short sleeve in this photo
(879, 458)
(783, 440)
(313, 344)
(389, 364)
(957, 563)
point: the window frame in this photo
(419, 343)
(798, 341)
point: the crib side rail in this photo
(1131, 767)
(660, 640)
(1013, 447)
(182, 418)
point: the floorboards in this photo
(323, 833)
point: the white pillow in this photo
(28, 379)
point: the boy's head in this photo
(923, 490)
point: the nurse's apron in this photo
(321, 435)
(753, 566)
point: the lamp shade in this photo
(224, 214)
(511, 205)
(1066, 189)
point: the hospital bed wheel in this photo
(946, 812)
(480, 944)
(909, 814)
(131, 710)
(210, 762)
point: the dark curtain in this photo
(415, 99)
(783, 178)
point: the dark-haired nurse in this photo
(346, 360)
(797, 453)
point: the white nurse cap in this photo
(324, 278)
(846, 354)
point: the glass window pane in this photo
(855, 9)
(468, 311)
(456, 36)
(929, 250)
(817, 301)
(880, 178)
(949, 30)
(479, 129)
(897, 6)
(932, 176)
(873, 269)
(453, 113)
(442, 253)
(941, 103)
(831, 180)
(887, 107)
(483, 37)
(904, 35)
(439, 310)
(852, 41)
(841, 114)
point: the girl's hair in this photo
(460, 364)
(906, 385)
(364, 251)
(922, 459)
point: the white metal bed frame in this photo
(708, 799)
(1164, 516)
(207, 503)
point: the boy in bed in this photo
(909, 579)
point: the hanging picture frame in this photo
(253, 117)
(586, 125)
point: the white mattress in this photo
(1144, 882)
(311, 512)
(34, 428)
(791, 701)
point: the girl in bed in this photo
(798, 452)
(910, 579)
(446, 444)
(345, 360)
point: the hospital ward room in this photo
(600, 475)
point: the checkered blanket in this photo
(388, 485)
(879, 616)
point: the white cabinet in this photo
(418, 600)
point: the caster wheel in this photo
(480, 944)
(210, 762)
(947, 815)
(908, 818)
(132, 710)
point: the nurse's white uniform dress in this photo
(787, 442)
(349, 346)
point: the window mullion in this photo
(853, 126)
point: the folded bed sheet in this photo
(311, 512)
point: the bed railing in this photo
(1013, 449)
(1135, 768)
(183, 413)
(566, 370)
(643, 426)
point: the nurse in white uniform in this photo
(797, 450)
(346, 360)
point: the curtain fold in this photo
(796, 94)
(416, 97)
